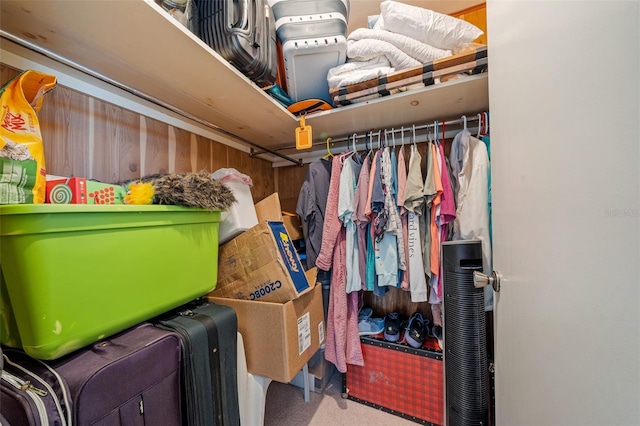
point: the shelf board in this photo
(452, 99)
(138, 45)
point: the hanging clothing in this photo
(413, 196)
(346, 213)
(402, 184)
(372, 174)
(447, 200)
(447, 212)
(362, 220)
(417, 280)
(435, 205)
(429, 192)
(394, 224)
(379, 219)
(470, 164)
(311, 206)
(434, 227)
(343, 339)
(402, 261)
(413, 202)
(487, 141)
(386, 225)
(371, 277)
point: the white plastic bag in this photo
(242, 215)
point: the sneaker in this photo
(415, 331)
(392, 326)
(437, 332)
(370, 326)
(428, 332)
(364, 314)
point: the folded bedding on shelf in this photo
(470, 61)
(364, 44)
(377, 52)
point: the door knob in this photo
(481, 280)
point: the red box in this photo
(76, 190)
(67, 191)
(399, 379)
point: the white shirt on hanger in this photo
(470, 165)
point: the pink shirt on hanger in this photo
(435, 241)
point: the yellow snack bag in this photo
(22, 167)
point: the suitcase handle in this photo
(243, 22)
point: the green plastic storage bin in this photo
(75, 274)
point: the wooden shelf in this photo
(138, 45)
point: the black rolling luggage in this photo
(243, 33)
(209, 368)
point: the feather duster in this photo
(182, 189)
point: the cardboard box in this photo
(78, 190)
(67, 191)
(105, 193)
(261, 264)
(270, 209)
(279, 338)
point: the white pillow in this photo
(433, 28)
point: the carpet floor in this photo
(285, 406)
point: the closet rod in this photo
(393, 131)
(410, 129)
(51, 55)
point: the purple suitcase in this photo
(132, 378)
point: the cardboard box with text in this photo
(261, 264)
(279, 338)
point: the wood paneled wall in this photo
(288, 183)
(84, 136)
(476, 15)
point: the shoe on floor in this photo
(428, 332)
(437, 332)
(415, 331)
(392, 326)
(370, 326)
(365, 313)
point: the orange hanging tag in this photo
(304, 139)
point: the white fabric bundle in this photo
(356, 72)
(429, 27)
(402, 52)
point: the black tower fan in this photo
(465, 335)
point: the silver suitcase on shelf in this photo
(243, 33)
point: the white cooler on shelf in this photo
(242, 215)
(313, 36)
(307, 62)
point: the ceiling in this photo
(360, 9)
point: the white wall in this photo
(565, 113)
